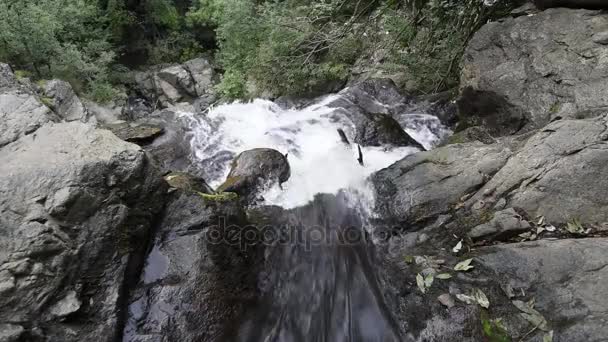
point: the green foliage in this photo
(65, 39)
(493, 329)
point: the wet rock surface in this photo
(64, 102)
(254, 170)
(199, 275)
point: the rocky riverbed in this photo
(128, 224)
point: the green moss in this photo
(41, 83)
(230, 181)
(21, 74)
(493, 329)
(555, 108)
(47, 101)
(220, 197)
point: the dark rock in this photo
(588, 4)
(254, 170)
(441, 105)
(368, 110)
(490, 111)
(505, 224)
(200, 274)
(136, 108)
(545, 66)
(76, 206)
(138, 133)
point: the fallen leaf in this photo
(548, 337)
(428, 281)
(470, 300)
(420, 283)
(464, 265)
(443, 276)
(446, 300)
(530, 314)
(550, 228)
(481, 298)
(458, 247)
(541, 221)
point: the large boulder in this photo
(254, 170)
(427, 184)
(543, 66)
(199, 275)
(177, 83)
(21, 112)
(64, 101)
(566, 279)
(369, 112)
(559, 173)
(76, 206)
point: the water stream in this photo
(321, 287)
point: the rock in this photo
(564, 277)
(177, 83)
(7, 77)
(368, 110)
(136, 108)
(427, 184)
(138, 133)
(254, 170)
(601, 38)
(76, 206)
(10, 332)
(475, 133)
(490, 111)
(505, 224)
(203, 74)
(187, 182)
(21, 112)
(559, 173)
(64, 101)
(539, 70)
(440, 105)
(198, 278)
(171, 151)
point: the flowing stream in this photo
(321, 285)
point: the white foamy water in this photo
(320, 162)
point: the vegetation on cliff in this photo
(264, 47)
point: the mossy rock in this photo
(188, 182)
(470, 134)
(229, 183)
(221, 197)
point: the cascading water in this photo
(322, 287)
(318, 281)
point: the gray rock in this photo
(21, 113)
(505, 224)
(566, 279)
(427, 184)
(198, 278)
(188, 182)
(601, 38)
(546, 65)
(559, 173)
(254, 170)
(203, 74)
(76, 205)
(10, 332)
(64, 101)
(7, 77)
(177, 83)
